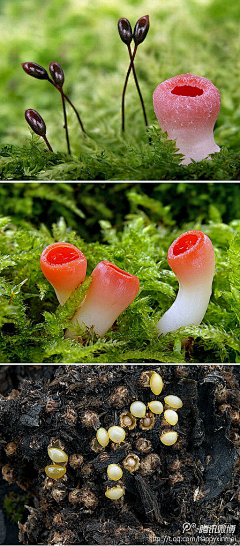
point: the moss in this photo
(14, 506)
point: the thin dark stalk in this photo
(137, 86)
(125, 86)
(65, 122)
(48, 145)
(76, 112)
(71, 104)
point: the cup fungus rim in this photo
(187, 80)
(53, 247)
(114, 268)
(194, 245)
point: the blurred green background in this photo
(197, 36)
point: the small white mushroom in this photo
(138, 409)
(102, 437)
(114, 493)
(155, 406)
(116, 434)
(173, 401)
(156, 383)
(171, 416)
(169, 438)
(114, 472)
(57, 455)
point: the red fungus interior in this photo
(185, 243)
(116, 268)
(187, 90)
(61, 255)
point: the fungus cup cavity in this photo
(111, 292)
(64, 266)
(131, 462)
(187, 107)
(147, 422)
(191, 257)
(127, 420)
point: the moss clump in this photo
(14, 506)
(156, 162)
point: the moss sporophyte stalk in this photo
(112, 290)
(57, 80)
(37, 124)
(138, 35)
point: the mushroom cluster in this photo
(111, 290)
(57, 455)
(128, 420)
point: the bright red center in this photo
(62, 255)
(116, 268)
(187, 91)
(185, 243)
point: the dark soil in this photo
(185, 493)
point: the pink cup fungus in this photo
(110, 293)
(187, 107)
(191, 257)
(64, 266)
